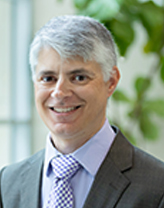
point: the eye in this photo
(49, 79)
(80, 77)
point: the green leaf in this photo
(148, 128)
(123, 34)
(102, 10)
(120, 96)
(151, 16)
(154, 43)
(81, 4)
(142, 84)
(155, 106)
(162, 69)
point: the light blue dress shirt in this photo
(90, 156)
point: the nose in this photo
(61, 89)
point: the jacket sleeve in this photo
(161, 205)
(1, 205)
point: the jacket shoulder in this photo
(21, 180)
(147, 161)
(127, 155)
(16, 169)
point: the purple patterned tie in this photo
(61, 195)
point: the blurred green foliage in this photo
(119, 17)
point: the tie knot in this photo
(64, 166)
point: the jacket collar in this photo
(31, 182)
(111, 172)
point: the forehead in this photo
(47, 55)
(49, 59)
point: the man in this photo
(74, 68)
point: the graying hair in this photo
(76, 36)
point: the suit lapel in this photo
(31, 183)
(110, 182)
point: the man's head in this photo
(76, 36)
(74, 72)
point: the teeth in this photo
(63, 110)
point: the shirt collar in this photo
(90, 155)
(93, 152)
(50, 153)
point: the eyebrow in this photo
(80, 71)
(72, 72)
(45, 72)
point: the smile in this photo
(64, 110)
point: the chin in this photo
(63, 130)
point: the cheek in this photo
(41, 95)
(92, 93)
(98, 100)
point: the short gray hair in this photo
(73, 36)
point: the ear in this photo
(113, 80)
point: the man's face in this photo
(71, 97)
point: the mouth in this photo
(64, 110)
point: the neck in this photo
(67, 144)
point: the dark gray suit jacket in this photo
(128, 178)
